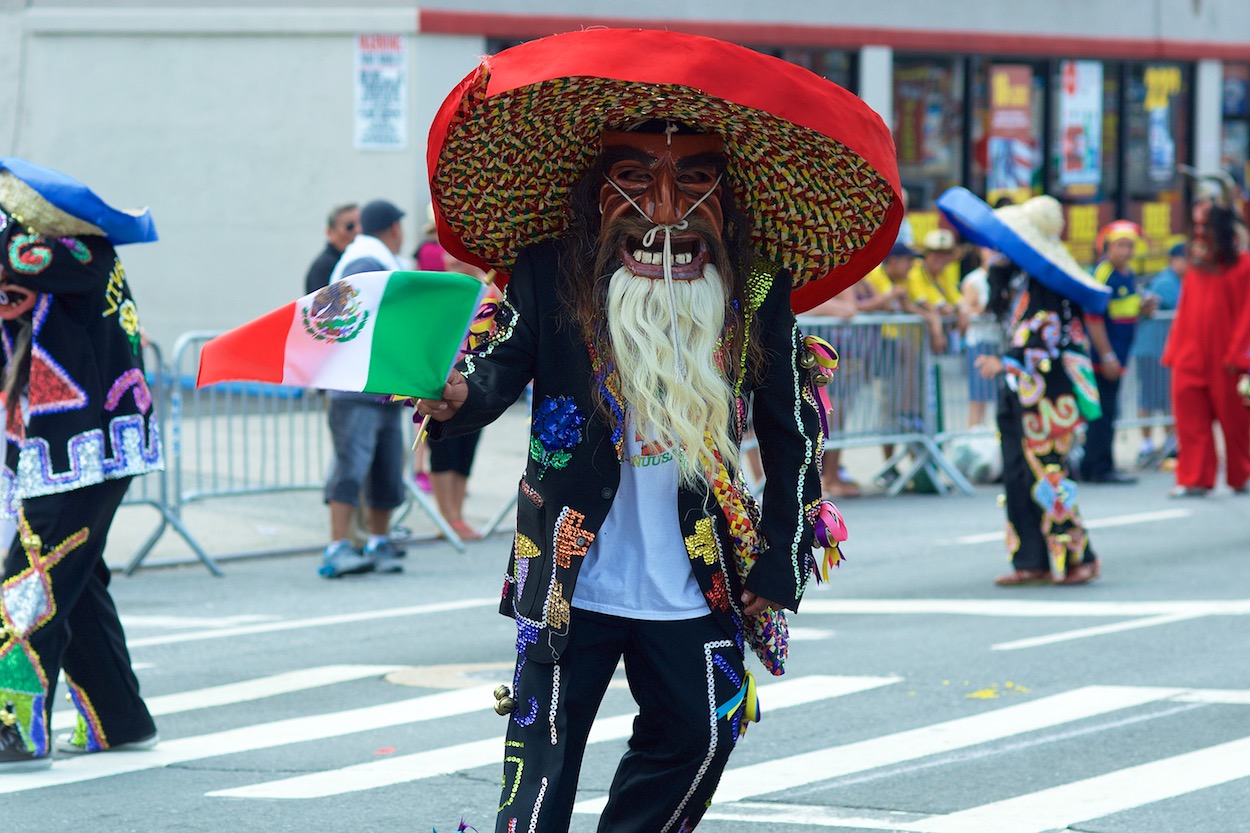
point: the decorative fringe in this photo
(747, 699)
(829, 531)
(822, 360)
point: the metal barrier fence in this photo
(885, 393)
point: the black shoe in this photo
(14, 756)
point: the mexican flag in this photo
(394, 333)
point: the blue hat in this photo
(53, 204)
(900, 249)
(1177, 250)
(1028, 235)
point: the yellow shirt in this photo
(935, 294)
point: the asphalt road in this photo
(919, 697)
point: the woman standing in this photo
(1046, 386)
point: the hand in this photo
(1149, 305)
(455, 392)
(988, 366)
(753, 605)
(1110, 367)
(16, 300)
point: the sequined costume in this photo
(78, 429)
(567, 490)
(1046, 393)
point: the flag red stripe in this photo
(254, 352)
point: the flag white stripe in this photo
(342, 365)
(446, 760)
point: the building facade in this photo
(242, 125)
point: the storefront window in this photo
(1157, 119)
(832, 64)
(1235, 150)
(928, 126)
(1008, 117)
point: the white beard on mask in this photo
(680, 411)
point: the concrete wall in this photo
(234, 123)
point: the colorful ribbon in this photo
(830, 531)
(822, 360)
(747, 699)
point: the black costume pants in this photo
(75, 625)
(1024, 513)
(679, 673)
(1100, 434)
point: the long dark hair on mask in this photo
(586, 269)
(999, 275)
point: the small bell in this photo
(504, 703)
(821, 379)
(807, 360)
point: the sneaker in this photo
(341, 560)
(14, 755)
(74, 745)
(383, 558)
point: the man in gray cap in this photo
(369, 451)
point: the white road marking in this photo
(1017, 608)
(780, 774)
(810, 634)
(811, 815)
(1091, 798)
(1100, 630)
(316, 622)
(130, 621)
(246, 690)
(1101, 523)
(447, 760)
(260, 736)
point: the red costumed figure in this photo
(1202, 350)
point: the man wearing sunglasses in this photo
(342, 226)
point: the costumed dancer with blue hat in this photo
(1046, 389)
(78, 427)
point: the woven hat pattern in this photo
(509, 162)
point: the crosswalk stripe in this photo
(1099, 630)
(1091, 798)
(1023, 608)
(315, 622)
(447, 760)
(246, 690)
(822, 764)
(260, 736)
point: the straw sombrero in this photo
(55, 205)
(811, 164)
(1028, 234)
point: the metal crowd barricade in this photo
(232, 440)
(153, 489)
(885, 393)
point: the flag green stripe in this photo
(420, 325)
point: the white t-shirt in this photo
(638, 567)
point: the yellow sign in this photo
(1162, 82)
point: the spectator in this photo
(1112, 337)
(1206, 348)
(342, 226)
(933, 280)
(80, 426)
(368, 435)
(979, 338)
(1153, 379)
(900, 355)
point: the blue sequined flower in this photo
(557, 430)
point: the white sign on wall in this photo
(1080, 125)
(381, 75)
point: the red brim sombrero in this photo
(810, 163)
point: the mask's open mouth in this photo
(689, 256)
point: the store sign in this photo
(1163, 83)
(381, 76)
(1010, 145)
(1080, 127)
